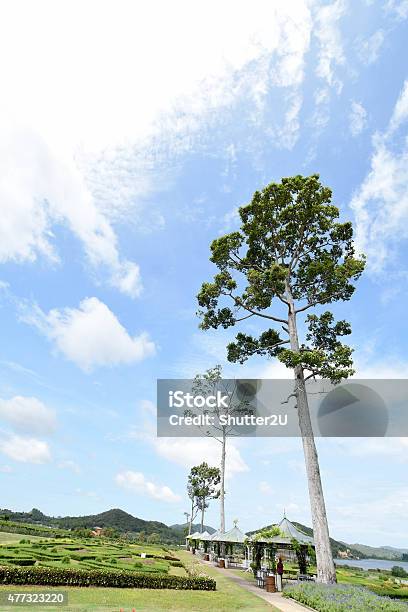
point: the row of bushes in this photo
(118, 579)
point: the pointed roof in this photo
(234, 535)
(288, 529)
(288, 532)
(204, 536)
(194, 536)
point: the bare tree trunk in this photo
(326, 572)
(202, 516)
(222, 489)
(191, 517)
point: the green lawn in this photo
(12, 538)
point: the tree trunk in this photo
(222, 489)
(191, 517)
(202, 516)
(326, 572)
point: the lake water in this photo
(372, 563)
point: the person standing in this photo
(279, 572)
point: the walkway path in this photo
(275, 599)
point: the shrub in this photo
(119, 579)
(22, 561)
(66, 560)
(398, 572)
(82, 556)
(177, 563)
(341, 598)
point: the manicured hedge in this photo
(18, 561)
(119, 579)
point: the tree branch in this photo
(254, 312)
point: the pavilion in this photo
(290, 542)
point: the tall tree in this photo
(290, 255)
(204, 482)
(236, 404)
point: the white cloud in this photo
(192, 451)
(69, 465)
(26, 450)
(400, 113)
(369, 49)
(41, 189)
(137, 482)
(91, 335)
(398, 7)
(381, 202)
(328, 35)
(357, 118)
(28, 414)
(87, 130)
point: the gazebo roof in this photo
(204, 536)
(288, 532)
(194, 536)
(234, 535)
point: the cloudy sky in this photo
(130, 134)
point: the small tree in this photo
(398, 572)
(153, 538)
(290, 253)
(141, 536)
(207, 384)
(204, 482)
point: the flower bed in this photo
(341, 598)
(119, 579)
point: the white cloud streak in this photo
(380, 204)
(137, 483)
(357, 118)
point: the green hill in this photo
(115, 518)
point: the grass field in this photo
(12, 538)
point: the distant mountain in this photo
(194, 527)
(381, 552)
(115, 518)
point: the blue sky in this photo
(130, 135)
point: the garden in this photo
(96, 562)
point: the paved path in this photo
(275, 599)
